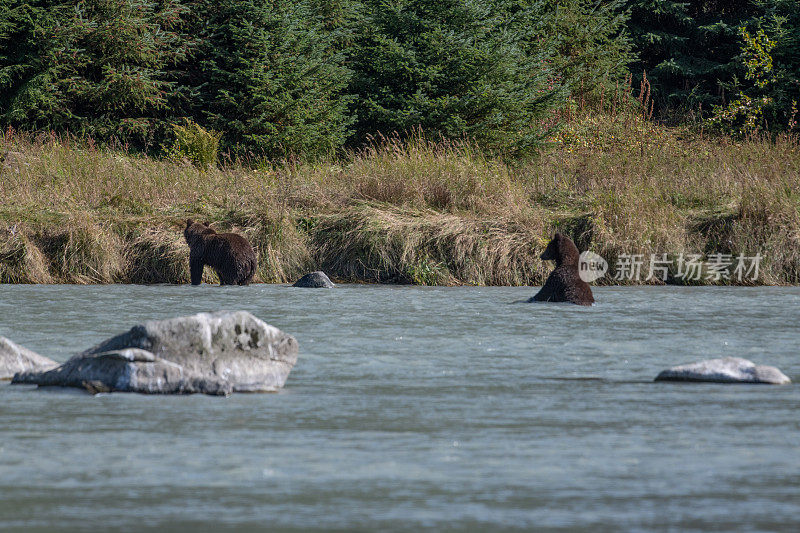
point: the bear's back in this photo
(564, 283)
(572, 288)
(226, 246)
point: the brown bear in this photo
(229, 254)
(564, 284)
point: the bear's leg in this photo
(247, 277)
(225, 278)
(196, 268)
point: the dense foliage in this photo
(306, 77)
(101, 67)
(590, 40)
(266, 74)
(451, 68)
(303, 77)
(696, 55)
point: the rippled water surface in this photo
(414, 408)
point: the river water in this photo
(417, 408)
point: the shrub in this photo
(745, 114)
(195, 143)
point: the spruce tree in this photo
(93, 67)
(451, 68)
(591, 48)
(688, 49)
(26, 37)
(268, 76)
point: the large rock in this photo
(212, 353)
(316, 279)
(726, 370)
(15, 358)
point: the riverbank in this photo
(415, 212)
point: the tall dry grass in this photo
(412, 212)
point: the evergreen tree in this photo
(96, 67)
(688, 49)
(453, 68)
(590, 42)
(267, 75)
(27, 33)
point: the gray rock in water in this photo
(212, 353)
(316, 279)
(725, 370)
(15, 358)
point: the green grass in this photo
(407, 212)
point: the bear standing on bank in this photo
(564, 284)
(229, 254)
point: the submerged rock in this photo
(211, 353)
(725, 370)
(316, 279)
(15, 358)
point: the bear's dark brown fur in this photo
(229, 254)
(564, 284)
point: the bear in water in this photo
(564, 284)
(229, 254)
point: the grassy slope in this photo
(416, 212)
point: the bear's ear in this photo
(207, 224)
(189, 222)
(558, 242)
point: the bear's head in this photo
(195, 231)
(561, 250)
